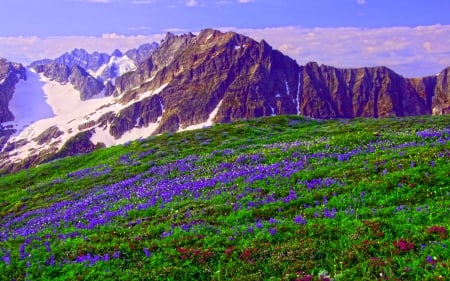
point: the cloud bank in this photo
(410, 51)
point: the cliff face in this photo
(365, 92)
(10, 73)
(441, 97)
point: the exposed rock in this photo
(51, 133)
(139, 114)
(79, 143)
(78, 57)
(329, 92)
(14, 145)
(142, 53)
(441, 98)
(85, 83)
(10, 73)
(55, 71)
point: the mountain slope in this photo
(192, 81)
(276, 198)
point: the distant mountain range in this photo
(80, 101)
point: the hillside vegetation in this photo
(279, 198)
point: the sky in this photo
(411, 37)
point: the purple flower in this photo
(273, 221)
(329, 213)
(47, 246)
(259, 224)
(147, 252)
(300, 220)
(272, 231)
(6, 259)
(116, 254)
(431, 260)
(166, 234)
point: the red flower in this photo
(403, 245)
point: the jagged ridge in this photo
(191, 81)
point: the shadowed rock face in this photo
(10, 73)
(329, 92)
(441, 97)
(85, 83)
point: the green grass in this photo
(279, 198)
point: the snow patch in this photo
(124, 64)
(208, 122)
(151, 93)
(102, 135)
(161, 105)
(28, 104)
(273, 111)
(98, 72)
(299, 85)
(287, 88)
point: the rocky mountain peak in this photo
(116, 53)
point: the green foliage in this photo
(279, 198)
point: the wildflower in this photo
(273, 221)
(300, 220)
(116, 254)
(403, 245)
(431, 260)
(6, 259)
(147, 252)
(272, 231)
(259, 224)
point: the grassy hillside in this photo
(280, 198)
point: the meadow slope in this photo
(278, 198)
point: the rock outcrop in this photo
(142, 53)
(79, 57)
(85, 83)
(441, 98)
(10, 73)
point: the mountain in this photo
(192, 81)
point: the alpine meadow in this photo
(273, 198)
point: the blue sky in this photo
(412, 37)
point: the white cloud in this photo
(192, 3)
(28, 49)
(361, 2)
(99, 1)
(246, 1)
(410, 51)
(142, 2)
